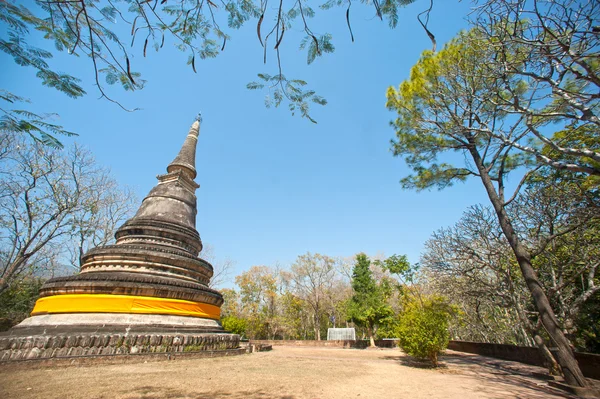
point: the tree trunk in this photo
(11, 270)
(371, 339)
(317, 328)
(564, 355)
(553, 367)
(434, 359)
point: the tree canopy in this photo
(369, 306)
(467, 110)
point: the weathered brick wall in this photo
(523, 354)
(589, 364)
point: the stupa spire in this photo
(186, 159)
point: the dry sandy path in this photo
(284, 373)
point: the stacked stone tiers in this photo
(150, 283)
(150, 258)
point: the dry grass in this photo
(284, 373)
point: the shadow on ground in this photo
(510, 376)
(415, 363)
(150, 392)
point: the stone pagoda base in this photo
(68, 336)
(62, 346)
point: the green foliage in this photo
(17, 301)
(423, 326)
(24, 122)
(574, 136)
(388, 329)
(386, 9)
(430, 125)
(26, 55)
(235, 325)
(588, 328)
(401, 267)
(316, 46)
(88, 28)
(368, 306)
(281, 88)
(363, 282)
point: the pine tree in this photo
(368, 306)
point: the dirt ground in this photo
(284, 373)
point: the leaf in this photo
(110, 13)
(254, 85)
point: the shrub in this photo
(423, 327)
(17, 301)
(235, 325)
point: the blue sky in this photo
(273, 185)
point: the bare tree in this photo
(546, 55)
(221, 267)
(472, 262)
(95, 225)
(51, 201)
(312, 279)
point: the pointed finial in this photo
(199, 117)
(186, 159)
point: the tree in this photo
(545, 60)
(442, 108)
(231, 303)
(221, 267)
(235, 325)
(259, 301)
(17, 302)
(559, 222)
(368, 306)
(199, 29)
(472, 265)
(95, 225)
(423, 327)
(312, 278)
(48, 200)
(37, 127)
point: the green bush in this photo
(235, 325)
(423, 327)
(17, 301)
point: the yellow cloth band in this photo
(102, 303)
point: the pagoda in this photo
(147, 293)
